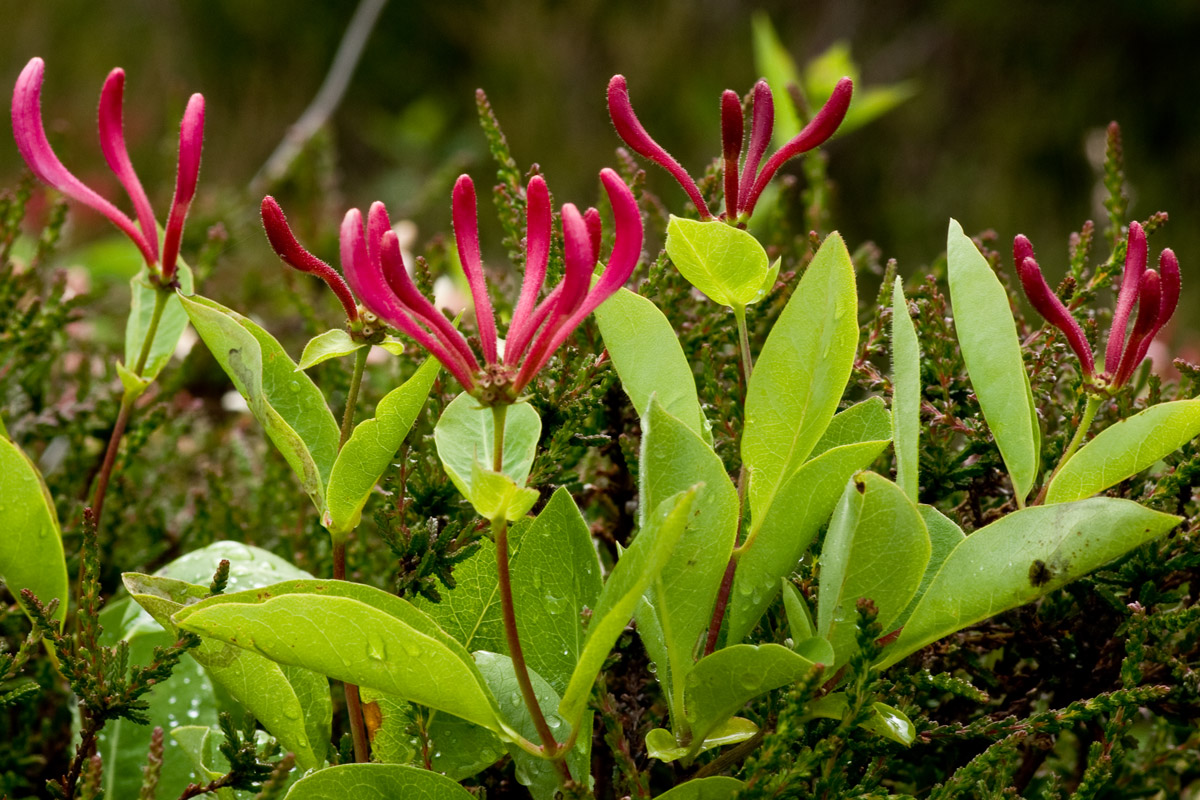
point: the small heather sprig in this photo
(35, 148)
(1154, 292)
(741, 192)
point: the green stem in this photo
(360, 363)
(739, 314)
(1089, 414)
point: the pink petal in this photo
(761, 126)
(285, 245)
(1048, 305)
(591, 218)
(539, 219)
(630, 129)
(112, 144)
(191, 140)
(1149, 306)
(1135, 266)
(1168, 270)
(39, 156)
(815, 133)
(732, 134)
(466, 234)
(378, 223)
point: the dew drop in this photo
(291, 711)
(750, 680)
(376, 649)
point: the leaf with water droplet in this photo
(377, 782)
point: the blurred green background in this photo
(1011, 98)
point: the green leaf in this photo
(906, 393)
(555, 575)
(494, 495)
(673, 458)
(885, 721)
(778, 540)
(377, 782)
(292, 704)
(1021, 557)
(372, 446)
(187, 696)
(725, 263)
(987, 335)
(661, 744)
(458, 748)
(649, 359)
(470, 610)
(286, 403)
(822, 74)
(944, 536)
(801, 373)
(537, 774)
(31, 549)
(1125, 449)
(389, 720)
(199, 744)
(817, 650)
(354, 633)
(628, 581)
(170, 325)
(877, 547)
(464, 436)
(716, 787)
(867, 421)
(723, 682)
(134, 386)
(800, 624)
(330, 344)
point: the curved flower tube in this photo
(741, 192)
(35, 149)
(285, 245)
(1155, 292)
(376, 272)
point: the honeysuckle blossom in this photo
(35, 149)
(376, 272)
(741, 191)
(285, 245)
(1156, 294)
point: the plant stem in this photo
(549, 744)
(1089, 414)
(360, 363)
(739, 314)
(499, 414)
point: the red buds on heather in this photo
(285, 245)
(741, 193)
(35, 149)
(1156, 294)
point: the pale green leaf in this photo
(987, 334)
(866, 421)
(354, 633)
(372, 446)
(906, 393)
(199, 744)
(495, 495)
(877, 547)
(801, 373)
(470, 611)
(716, 787)
(944, 536)
(170, 325)
(800, 624)
(1126, 448)
(661, 744)
(725, 263)
(1021, 557)
(885, 721)
(628, 581)
(673, 458)
(377, 782)
(817, 650)
(465, 436)
(330, 344)
(286, 403)
(31, 548)
(649, 359)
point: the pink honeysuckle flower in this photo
(741, 192)
(39, 156)
(376, 272)
(1156, 294)
(285, 245)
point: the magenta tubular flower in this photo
(376, 272)
(35, 148)
(285, 245)
(1156, 294)
(741, 192)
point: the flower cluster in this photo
(741, 192)
(1156, 294)
(35, 148)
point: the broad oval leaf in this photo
(987, 334)
(465, 437)
(885, 721)
(661, 744)
(330, 344)
(371, 448)
(377, 782)
(354, 633)
(637, 568)
(286, 403)
(673, 458)
(31, 549)
(170, 325)
(801, 373)
(877, 547)
(716, 787)
(866, 421)
(1021, 557)
(725, 263)
(780, 539)
(944, 536)
(1126, 448)
(649, 359)
(906, 393)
